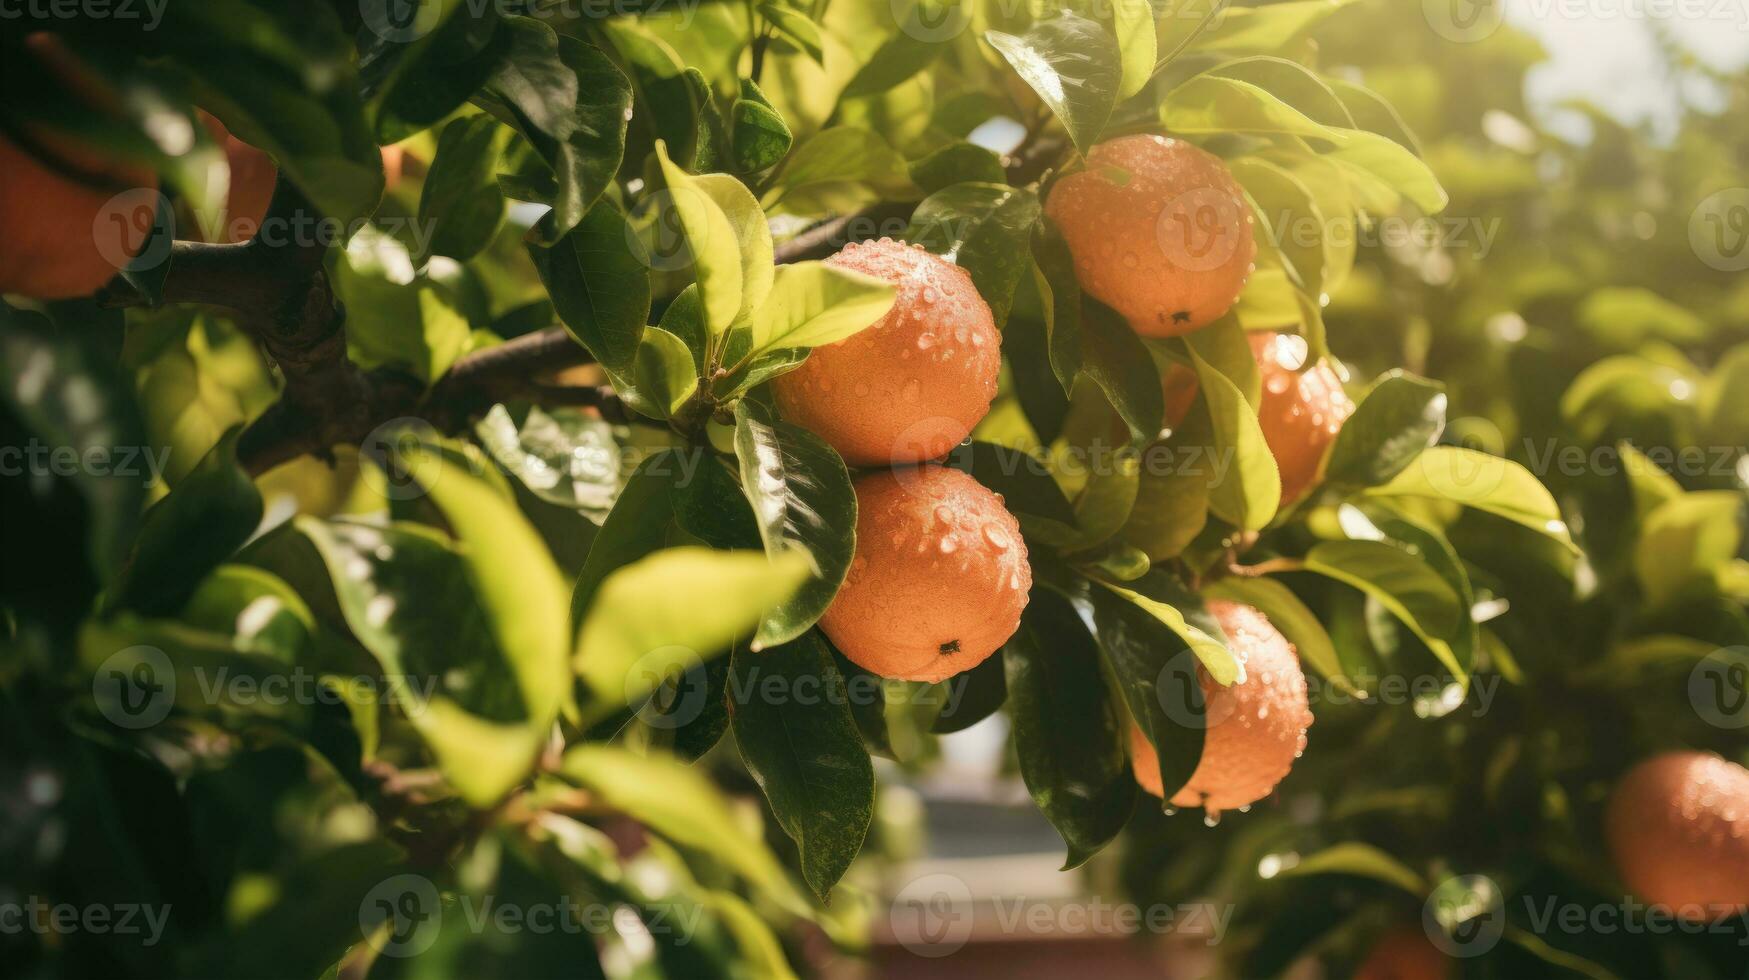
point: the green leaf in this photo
(1171, 500)
(566, 457)
(1067, 735)
(460, 205)
(411, 83)
(1022, 479)
(985, 229)
(1286, 207)
(1116, 360)
(1137, 44)
(637, 526)
(1156, 674)
(212, 511)
(1293, 83)
(395, 317)
(1060, 296)
(1210, 648)
(972, 696)
(899, 57)
(813, 304)
(713, 242)
(758, 136)
(1487, 483)
(1265, 29)
(1391, 163)
(1251, 491)
(1075, 66)
(804, 504)
(1685, 540)
(1405, 584)
(1399, 417)
(752, 236)
(409, 597)
(679, 803)
(1210, 104)
(1360, 860)
(955, 163)
(647, 619)
(843, 155)
(570, 102)
(664, 372)
(803, 748)
(794, 26)
(600, 285)
(68, 397)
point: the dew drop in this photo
(997, 537)
(912, 390)
(862, 389)
(1211, 818)
(949, 545)
(1278, 384)
(1130, 261)
(925, 341)
(1170, 811)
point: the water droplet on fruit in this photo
(944, 514)
(1211, 818)
(997, 537)
(1278, 384)
(911, 391)
(949, 545)
(862, 389)
(1130, 261)
(1170, 811)
(925, 341)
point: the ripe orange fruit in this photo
(1301, 410)
(1160, 232)
(70, 218)
(912, 386)
(1404, 953)
(1678, 827)
(939, 577)
(253, 176)
(1256, 726)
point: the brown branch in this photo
(276, 286)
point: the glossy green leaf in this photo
(957, 163)
(812, 304)
(599, 281)
(1251, 491)
(805, 506)
(1114, 358)
(1487, 483)
(713, 242)
(1156, 674)
(789, 710)
(665, 375)
(460, 204)
(1398, 418)
(1075, 66)
(985, 229)
(1287, 613)
(1068, 736)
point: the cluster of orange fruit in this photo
(1160, 232)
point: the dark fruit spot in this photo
(951, 646)
(1182, 316)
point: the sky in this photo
(1603, 50)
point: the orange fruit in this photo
(1678, 827)
(1404, 953)
(70, 217)
(1256, 726)
(1160, 232)
(1301, 410)
(912, 386)
(253, 176)
(938, 580)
